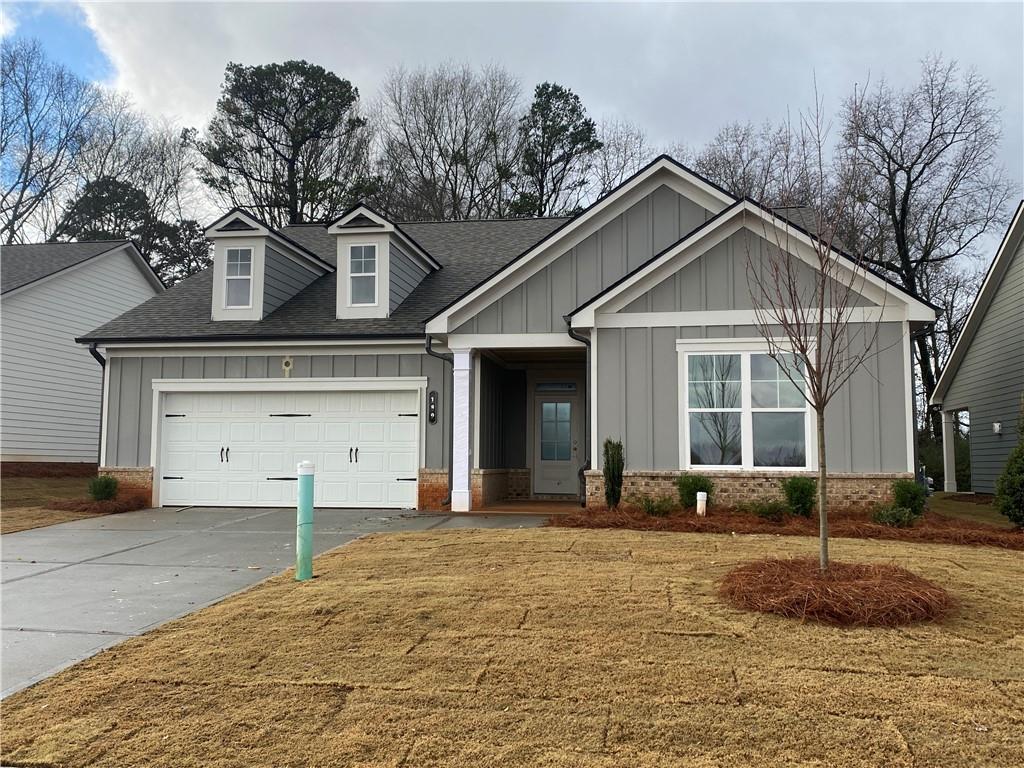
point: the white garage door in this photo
(241, 448)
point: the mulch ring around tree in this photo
(847, 594)
(853, 524)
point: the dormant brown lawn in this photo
(547, 647)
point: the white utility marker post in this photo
(304, 522)
(702, 503)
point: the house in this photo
(503, 352)
(985, 372)
(49, 385)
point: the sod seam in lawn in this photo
(546, 647)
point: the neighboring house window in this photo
(363, 275)
(238, 278)
(742, 411)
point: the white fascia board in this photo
(415, 251)
(349, 383)
(258, 228)
(269, 349)
(989, 286)
(512, 341)
(289, 250)
(703, 318)
(573, 233)
(338, 226)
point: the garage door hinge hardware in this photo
(409, 414)
(405, 479)
(173, 477)
(290, 415)
(174, 415)
(282, 478)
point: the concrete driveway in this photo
(73, 589)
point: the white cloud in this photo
(7, 21)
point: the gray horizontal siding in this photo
(990, 379)
(51, 387)
(129, 421)
(726, 276)
(541, 302)
(638, 399)
(283, 278)
(404, 275)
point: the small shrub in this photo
(655, 506)
(801, 494)
(613, 465)
(689, 485)
(895, 517)
(102, 488)
(909, 495)
(1010, 487)
(767, 509)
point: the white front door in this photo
(556, 444)
(241, 448)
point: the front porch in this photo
(520, 426)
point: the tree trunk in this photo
(822, 494)
(924, 363)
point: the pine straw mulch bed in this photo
(122, 503)
(551, 647)
(853, 524)
(15, 519)
(847, 594)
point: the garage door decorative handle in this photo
(290, 415)
(349, 455)
(357, 455)
(222, 455)
(227, 455)
(282, 478)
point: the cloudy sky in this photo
(679, 70)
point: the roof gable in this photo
(25, 265)
(663, 170)
(241, 223)
(997, 270)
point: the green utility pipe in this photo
(304, 523)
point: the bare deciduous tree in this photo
(929, 153)
(810, 316)
(44, 120)
(624, 151)
(449, 144)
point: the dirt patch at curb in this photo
(549, 647)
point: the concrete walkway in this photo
(73, 589)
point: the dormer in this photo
(255, 268)
(378, 264)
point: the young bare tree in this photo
(929, 155)
(624, 151)
(449, 143)
(811, 316)
(44, 120)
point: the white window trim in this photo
(744, 348)
(249, 277)
(375, 274)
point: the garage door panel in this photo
(262, 446)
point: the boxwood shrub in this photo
(689, 485)
(103, 488)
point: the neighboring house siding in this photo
(724, 277)
(51, 387)
(541, 302)
(638, 400)
(405, 275)
(129, 421)
(283, 278)
(990, 379)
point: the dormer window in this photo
(363, 275)
(238, 278)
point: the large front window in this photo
(744, 409)
(363, 275)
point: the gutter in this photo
(585, 341)
(450, 359)
(94, 351)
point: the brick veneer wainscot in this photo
(844, 489)
(131, 478)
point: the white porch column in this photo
(462, 430)
(949, 450)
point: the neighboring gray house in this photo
(49, 385)
(502, 351)
(985, 372)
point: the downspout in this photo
(573, 334)
(450, 359)
(94, 351)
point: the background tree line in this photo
(294, 142)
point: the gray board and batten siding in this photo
(283, 278)
(990, 379)
(130, 386)
(540, 304)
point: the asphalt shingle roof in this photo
(24, 264)
(468, 251)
